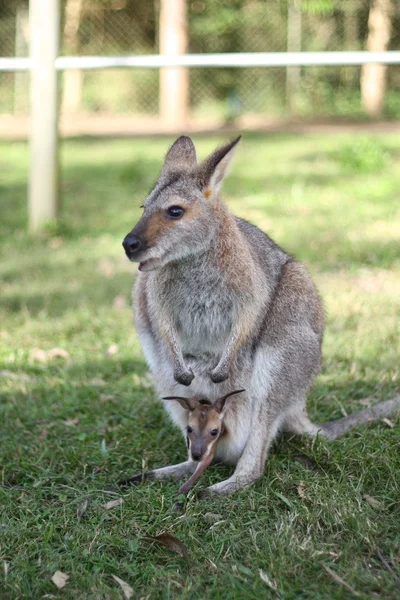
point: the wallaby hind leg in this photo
(177, 471)
(296, 421)
(250, 467)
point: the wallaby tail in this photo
(334, 429)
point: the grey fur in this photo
(220, 306)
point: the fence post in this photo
(293, 45)
(44, 43)
(174, 81)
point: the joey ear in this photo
(186, 403)
(181, 154)
(214, 168)
(220, 403)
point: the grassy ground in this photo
(76, 419)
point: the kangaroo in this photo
(220, 306)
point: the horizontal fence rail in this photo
(246, 59)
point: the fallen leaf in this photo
(374, 502)
(128, 591)
(338, 579)
(82, 509)
(365, 402)
(96, 381)
(388, 422)
(264, 577)
(170, 542)
(111, 350)
(43, 434)
(38, 354)
(212, 518)
(58, 353)
(113, 503)
(59, 579)
(301, 492)
(70, 422)
(119, 302)
(56, 242)
(106, 397)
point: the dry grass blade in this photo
(59, 579)
(341, 581)
(128, 591)
(113, 503)
(170, 542)
(82, 508)
(264, 577)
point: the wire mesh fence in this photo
(121, 27)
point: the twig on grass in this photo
(339, 580)
(387, 566)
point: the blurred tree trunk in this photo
(373, 77)
(73, 79)
(293, 45)
(174, 82)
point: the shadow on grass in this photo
(65, 425)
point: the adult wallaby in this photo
(220, 306)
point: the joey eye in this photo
(189, 429)
(175, 212)
(214, 432)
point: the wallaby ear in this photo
(220, 403)
(214, 168)
(181, 154)
(186, 403)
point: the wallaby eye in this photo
(175, 212)
(189, 429)
(214, 432)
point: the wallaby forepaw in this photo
(184, 377)
(218, 375)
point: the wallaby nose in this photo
(196, 455)
(131, 244)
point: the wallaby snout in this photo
(197, 449)
(132, 244)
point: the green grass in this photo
(70, 427)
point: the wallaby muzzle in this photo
(197, 449)
(134, 243)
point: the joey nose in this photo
(196, 455)
(131, 244)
